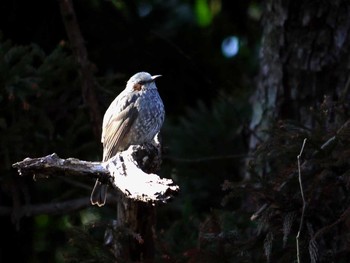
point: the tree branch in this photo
(308, 167)
(86, 68)
(122, 172)
(129, 173)
(56, 208)
(303, 198)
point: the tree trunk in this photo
(304, 57)
(304, 70)
(140, 219)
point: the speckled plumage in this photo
(134, 117)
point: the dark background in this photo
(205, 93)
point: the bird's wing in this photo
(117, 127)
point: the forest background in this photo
(240, 200)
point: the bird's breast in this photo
(150, 118)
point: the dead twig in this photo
(303, 198)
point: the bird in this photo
(134, 117)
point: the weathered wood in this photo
(121, 172)
(130, 175)
(52, 165)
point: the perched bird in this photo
(134, 117)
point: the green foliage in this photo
(32, 82)
(211, 150)
(204, 16)
(211, 144)
(41, 112)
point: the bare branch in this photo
(52, 165)
(308, 167)
(303, 198)
(122, 172)
(86, 68)
(56, 208)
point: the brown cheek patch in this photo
(137, 87)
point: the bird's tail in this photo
(99, 194)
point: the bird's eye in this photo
(145, 81)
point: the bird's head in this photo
(142, 81)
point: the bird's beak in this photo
(155, 76)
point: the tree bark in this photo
(304, 64)
(138, 193)
(304, 57)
